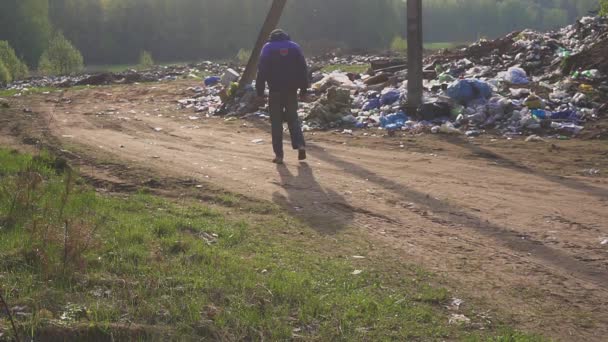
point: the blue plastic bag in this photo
(541, 114)
(371, 104)
(517, 76)
(566, 115)
(211, 81)
(390, 97)
(466, 91)
(394, 122)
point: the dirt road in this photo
(515, 225)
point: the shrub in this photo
(61, 57)
(399, 44)
(55, 218)
(145, 60)
(5, 76)
(14, 66)
(243, 56)
(604, 7)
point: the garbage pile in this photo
(526, 82)
(156, 74)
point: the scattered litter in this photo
(591, 172)
(257, 141)
(73, 313)
(535, 138)
(158, 129)
(357, 272)
(358, 257)
(455, 304)
(604, 242)
(459, 319)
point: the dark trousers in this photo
(284, 108)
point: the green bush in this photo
(145, 60)
(604, 7)
(5, 76)
(399, 44)
(14, 66)
(243, 56)
(60, 58)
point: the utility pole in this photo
(414, 55)
(272, 20)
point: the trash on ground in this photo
(459, 319)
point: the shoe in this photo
(278, 161)
(302, 154)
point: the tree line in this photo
(117, 31)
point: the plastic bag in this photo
(389, 98)
(211, 81)
(435, 110)
(371, 104)
(466, 91)
(394, 121)
(516, 76)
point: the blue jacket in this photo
(282, 65)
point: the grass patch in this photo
(443, 45)
(29, 91)
(144, 267)
(357, 68)
(116, 68)
(39, 90)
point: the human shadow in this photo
(510, 164)
(322, 208)
(505, 236)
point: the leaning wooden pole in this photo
(272, 20)
(414, 55)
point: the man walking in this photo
(283, 66)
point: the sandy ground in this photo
(517, 226)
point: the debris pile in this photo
(526, 82)
(156, 74)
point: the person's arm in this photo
(304, 82)
(263, 71)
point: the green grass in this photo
(40, 90)
(442, 45)
(110, 68)
(13, 92)
(185, 270)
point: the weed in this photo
(9, 314)
(242, 57)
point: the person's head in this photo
(278, 35)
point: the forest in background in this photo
(117, 31)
